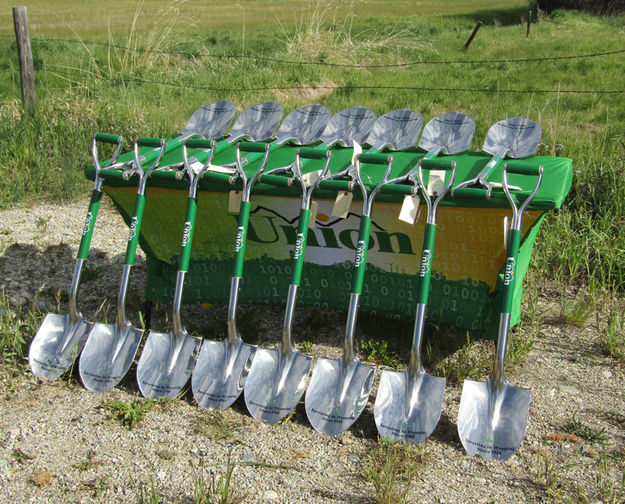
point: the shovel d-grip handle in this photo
(252, 146)
(150, 142)
(514, 237)
(524, 168)
(96, 194)
(198, 143)
(437, 164)
(108, 138)
(369, 158)
(314, 152)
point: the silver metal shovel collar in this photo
(450, 133)
(398, 130)
(347, 126)
(304, 125)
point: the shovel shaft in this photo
(300, 246)
(241, 238)
(87, 231)
(135, 230)
(509, 276)
(360, 260)
(187, 235)
(423, 290)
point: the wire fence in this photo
(292, 62)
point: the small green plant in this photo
(151, 496)
(377, 351)
(218, 425)
(612, 332)
(472, 360)
(217, 489)
(130, 413)
(90, 273)
(17, 328)
(576, 311)
(545, 474)
(307, 346)
(584, 432)
(392, 468)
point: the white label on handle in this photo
(357, 150)
(228, 170)
(197, 167)
(342, 204)
(409, 209)
(311, 177)
(234, 202)
(313, 215)
(436, 182)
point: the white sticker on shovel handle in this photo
(234, 202)
(342, 204)
(409, 209)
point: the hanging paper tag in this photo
(197, 167)
(234, 202)
(506, 231)
(357, 150)
(342, 204)
(409, 209)
(313, 214)
(311, 177)
(436, 182)
(228, 170)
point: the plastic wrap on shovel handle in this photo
(150, 142)
(108, 138)
(314, 152)
(198, 143)
(253, 146)
(437, 164)
(523, 168)
(375, 158)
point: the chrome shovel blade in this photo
(57, 344)
(337, 394)
(108, 355)
(519, 135)
(408, 409)
(276, 383)
(220, 373)
(492, 419)
(166, 364)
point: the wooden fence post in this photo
(477, 28)
(27, 71)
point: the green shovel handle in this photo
(523, 168)
(252, 146)
(509, 275)
(187, 235)
(87, 230)
(366, 157)
(319, 152)
(149, 142)
(197, 143)
(425, 272)
(108, 138)
(360, 261)
(300, 246)
(241, 238)
(135, 230)
(437, 164)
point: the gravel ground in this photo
(60, 443)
